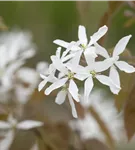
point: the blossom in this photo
(122, 65)
(64, 80)
(82, 44)
(15, 47)
(26, 80)
(92, 71)
(12, 124)
(23, 125)
(49, 76)
(66, 67)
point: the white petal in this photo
(73, 46)
(101, 50)
(114, 75)
(61, 43)
(43, 76)
(58, 52)
(90, 55)
(58, 64)
(56, 85)
(96, 36)
(104, 79)
(29, 124)
(88, 86)
(61, 96)
(74, 113)
(41, 85)
(103, 65)
(7, 141)
(4, 125)
(107, 81)
(81, 77)
(68, 57)
(73, 89)
(121, 45)
(82, 35)
(76, 59)
(122, 65)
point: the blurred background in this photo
(106, 123)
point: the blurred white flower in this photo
(15, 47)
(26, 81)
(88, 127)
(7, 141)
(12, 124)
(42, 67)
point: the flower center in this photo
(93, 73)
(83, 46)
(70, 75)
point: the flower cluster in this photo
(67, 67)
(17, 83)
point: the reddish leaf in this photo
(129, 115)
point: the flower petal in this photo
(82, 35)
(107, 81)
(4, 125)
(7, 141)
(90, 55)
(73, 89)
(114, 75)
(56, 85)
(61, 96)
(81, 77)
(88, 85)
(29, 124)
(58, 64)
(42, 84)
(121, 45)
(43, 76)
(101, 50)
(104, 79)
(58, 52)
(71, 101)
(103, 65)
(96, 36)
(122, 65)
(76, 59)
(68, 57)
(61, 43)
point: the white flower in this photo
(83, 45)
(122, 65)
(23, 125)
(15, 47)
(12, 124)
(65, 79)
(92, 71)
(26, 80)
(49, 75)
(88, 127)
